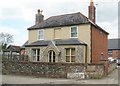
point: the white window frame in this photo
(71, 55)
(39, 36)
(71, 32)
(34, 56)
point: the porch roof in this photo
(72, 41)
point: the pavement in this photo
(112, 78)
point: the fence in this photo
(14, 57)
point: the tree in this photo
(5, 39)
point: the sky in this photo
(18, 15)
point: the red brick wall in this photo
(99, 44)
(115, 53)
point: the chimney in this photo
(39, 17)
(92, 12)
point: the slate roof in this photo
(72, 41)
(114, 44)
(61, 20)
(12, 48)
(64, 20)
(24, 44)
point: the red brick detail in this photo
(115, 53)
(99, 44)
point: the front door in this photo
(51, 56)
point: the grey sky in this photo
(17, 15)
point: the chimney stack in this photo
(92, 12)
(39, 17)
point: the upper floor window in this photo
(74, 31)
(41, 34)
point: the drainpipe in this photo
(85, 54)
(86, 60)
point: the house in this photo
(67, 38)
(12, 52)
(22, 50)
(114, 48)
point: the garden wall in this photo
(54, 70)
(111, 67)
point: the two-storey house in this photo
(67, 38)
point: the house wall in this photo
(84, 34)
(116, 53)
(32, 36)
(99, 45)
(57, 33)
(64, 33)
(80, 52)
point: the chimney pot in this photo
(39, 16)
(38, 11)
(91, 12)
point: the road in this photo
(112, 78)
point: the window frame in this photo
(39, 35)
(110, 52)
(70, 55)
(73, 33)
(35, 55)
(51, 56)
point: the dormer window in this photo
(41, 34)
(73, 31)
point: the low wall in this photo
(95, 71)
(111, 67)
(54, 70)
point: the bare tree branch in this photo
(5, 39)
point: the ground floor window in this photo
(51, 56)
(36, 54)
(70, 54)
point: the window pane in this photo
(50, 55)
(73, 31)
(72, 58)
(38, 54)
(34, 54)
(53, 56)
(73, 51)
(73, 34)
(67, 58)
(41, 34)
(67, 51)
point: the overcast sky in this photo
(17, 15)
